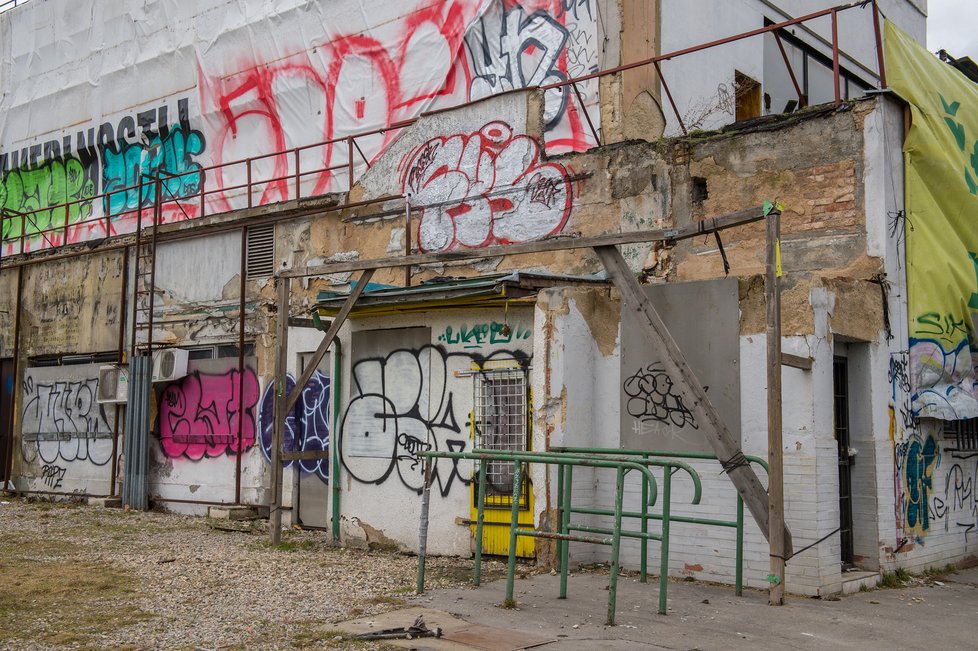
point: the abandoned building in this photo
(431, 178)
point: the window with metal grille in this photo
(961, 434)
(260, 251)
(501, 413)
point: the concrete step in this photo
(853, 581)
(232, 512)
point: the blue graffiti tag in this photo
(171, 154)
(307, 426)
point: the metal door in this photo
(840, 376)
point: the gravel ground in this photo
(196, 586)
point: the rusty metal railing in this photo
(52, 226)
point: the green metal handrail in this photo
(562, 460)
(645, 516)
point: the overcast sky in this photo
(953, 26)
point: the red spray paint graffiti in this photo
(199, 414)
(483, 188)
(353, 84)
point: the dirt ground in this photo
(74, 576)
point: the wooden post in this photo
(726, 447)
(279, 410)
(772, 290)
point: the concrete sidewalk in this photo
(940, 614)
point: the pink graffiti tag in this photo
(487, 187)
(199, 415)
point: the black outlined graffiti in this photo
(63, 421)
(53, 475)
(401, 405)
(651, 398)
(509, 49)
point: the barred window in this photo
(961, 434)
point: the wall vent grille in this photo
(260, 254)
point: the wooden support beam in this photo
(305, 455)
(796, 361)
(775, 453)
(709, 225)
(328, 338)
(284, 403)
(726, 447)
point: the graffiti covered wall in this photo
(66, 434)
(202, 422)
(286, 77)
(942, 246)
(411, 390)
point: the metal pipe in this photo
(616, 546)
(739, 580)
(644, 557)
(879, 44)
(513, 526)
(480, 521)
(565, 509)
(664, 545)
(336, 383)
(407, 239)
(241, 363)
(587, 116)
(8, 471)
(672, 102)
(560, 512)
(835, 57)
(120, 359)
(791, 71)
(423, 533)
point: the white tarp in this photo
(97, 94)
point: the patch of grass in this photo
(295, 545)
(386, 599)
(62, 602)
(897, 579)
(940, 572)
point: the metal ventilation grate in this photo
(260, 254)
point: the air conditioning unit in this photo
(113, 384)
(169, 364)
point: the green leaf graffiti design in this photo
(958, 131)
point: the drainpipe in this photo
(334, 475)
(336, 387)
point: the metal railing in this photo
(645, 515)
(10, 4)
(563, 461)
(51, 226)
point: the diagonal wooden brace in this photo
(726, 447)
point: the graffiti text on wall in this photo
(651, 397)
(200, 414)
(483, 334)
(483, 188)
(42, 178)
(401, 404)
(63, 421)
(307, 426)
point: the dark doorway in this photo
(840, 376)
(6, 417)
